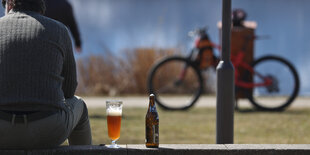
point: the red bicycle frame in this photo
(238, 62)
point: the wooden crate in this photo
(242, 40)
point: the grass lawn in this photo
(198, 126)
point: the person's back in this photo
(24, 73)
(38, 108)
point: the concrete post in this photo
(225, 96)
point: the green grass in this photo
(197, 126)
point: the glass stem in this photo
(113, 142)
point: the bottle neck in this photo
(152, 106)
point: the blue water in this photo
(114, 25)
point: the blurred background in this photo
(122, 38)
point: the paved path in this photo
(205, 101)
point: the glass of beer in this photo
(114, 118)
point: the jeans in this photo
(71, 123)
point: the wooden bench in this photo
(173, 149)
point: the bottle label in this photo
(153, 109)
(152, 134)
(155, 134)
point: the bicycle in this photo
(179, 76)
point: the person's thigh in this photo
(44, 133)
(75, 108)
(79, 126)
(51, 131)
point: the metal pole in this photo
(225, 96)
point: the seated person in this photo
(38, 108)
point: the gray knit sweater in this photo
(37, 66)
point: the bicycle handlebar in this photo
(198, 31)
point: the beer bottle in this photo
(151, 125)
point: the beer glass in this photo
(114, 117)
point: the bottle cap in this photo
(152, 97)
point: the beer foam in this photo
(114, 112)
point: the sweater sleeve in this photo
(69, 68)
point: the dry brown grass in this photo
(118, 75)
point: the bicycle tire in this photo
(277, 74)
(156, 78)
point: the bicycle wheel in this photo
(173, 88)
(284, 86)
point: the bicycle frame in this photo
(238, 63)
